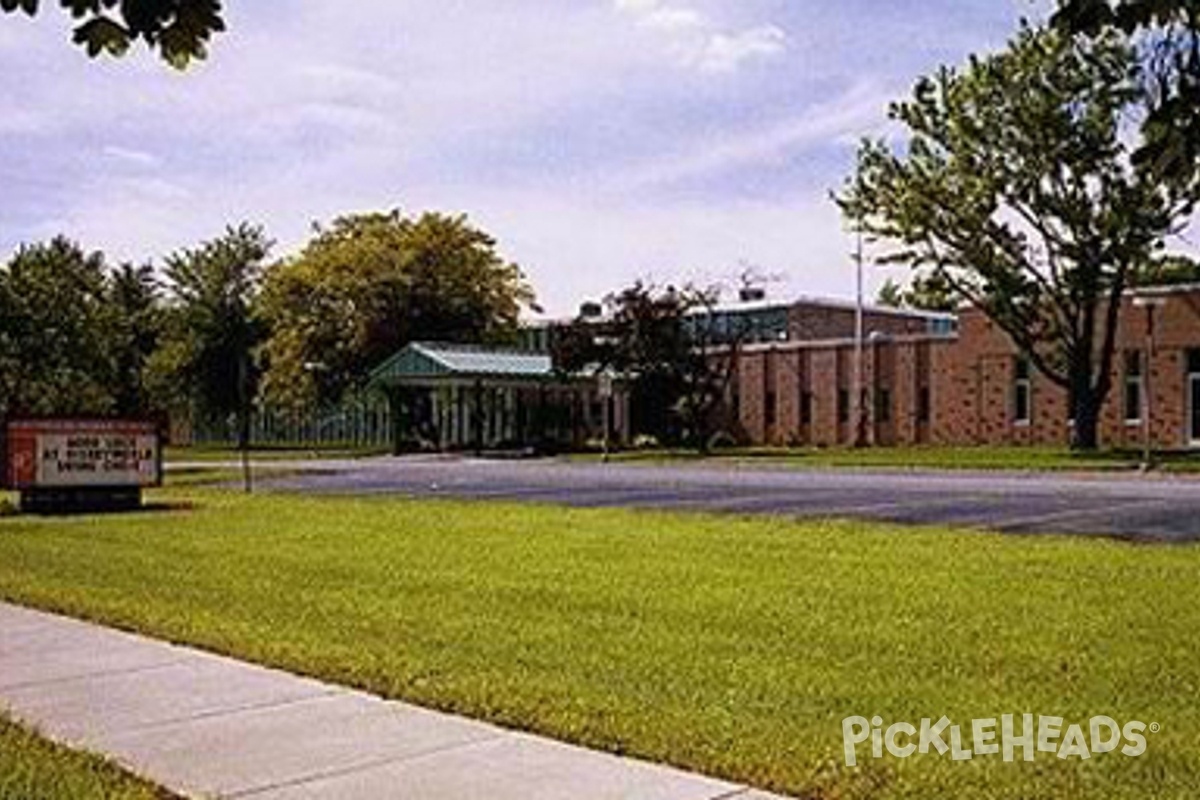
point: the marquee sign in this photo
(65, 454)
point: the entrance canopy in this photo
(457, 396)
(420, 362)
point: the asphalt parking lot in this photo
(1153, 508)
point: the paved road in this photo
(1129, 506)
(207, 726)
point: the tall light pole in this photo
(860, 406)
(1149, 303)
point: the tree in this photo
(368, 285)
(211, 332)
(56, 348)
(1169, 270)
(178, 29)
(928, 292)
(890, 295)
(1016, 189)
(133, 298)
(1171, 51)
(678, 351)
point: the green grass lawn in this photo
(728, 645)
(925, 457)
(209, 453)
(33, 768)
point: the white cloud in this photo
(839, 121)
(697, 41)
(131, 157)
(725, 52)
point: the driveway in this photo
(1129, 506)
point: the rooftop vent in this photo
(591, 311)
(752, 294)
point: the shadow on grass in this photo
(150, 507)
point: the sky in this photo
(599, 141)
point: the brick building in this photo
(940, 379)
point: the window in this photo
(924, 405)
(883, 406)
(843, 408)
(1022, 390)
(1133, 386)
(806, 408)
(769, 409)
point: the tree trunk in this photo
(1086, 404)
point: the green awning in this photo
(437, 360)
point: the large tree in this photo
(178, 29)
(673, 345)
(56, 332)
(1168, 36)
(207, 356)
(1016, 188)
(134, 302)
(369, 284)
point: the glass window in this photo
(806, 408)
(1133, 386)
(924, 404)
(843, 407)
(769, 410)
(883, 405)
(1022, 389)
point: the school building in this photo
(958, 380)
(926, 378)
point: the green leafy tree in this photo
(1016, 189)
(179, 30)
(1170, 49)
(1169, 270)
(928, 292)
(369, 284)
(207, 356)
(677, 350)
(135, 307)
(55, 332)
(891, 294)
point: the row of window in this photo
(1133, 383)
(1132, 398)
(883, 407)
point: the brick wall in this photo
(816, 321)
(968, 380)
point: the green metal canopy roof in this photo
(438, 360)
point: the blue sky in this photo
(598, 140)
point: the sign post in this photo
(66, 465)
(604, 386)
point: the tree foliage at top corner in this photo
(1168, 35)
(179, 30)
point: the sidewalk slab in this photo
(207, 726)
(513, 767)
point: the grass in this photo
(218, 474)
(33, 768)
(212, 453)
(733, 646)
(922, 457)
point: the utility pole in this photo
(860, 406)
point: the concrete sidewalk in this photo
(207, 726)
